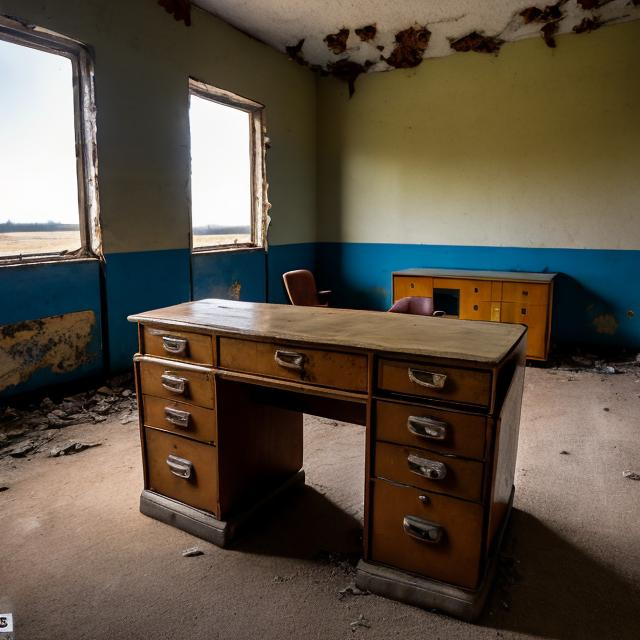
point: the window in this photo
(227, 163)
(47, 175)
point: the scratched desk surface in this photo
(482, 342)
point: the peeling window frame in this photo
(28, 35)
(257, 139)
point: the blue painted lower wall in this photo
(41, 290)
(592, 283)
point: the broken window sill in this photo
(227, 248)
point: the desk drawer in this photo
(170, 457)
(418, 426)
(347, 371)
(401, 515)
(525, 292)
(431, 381)
(428, 470)
(184, 419)
(178, 345)
(175, 382)
(404, 286)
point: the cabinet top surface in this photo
(516, 276)
(473, 341)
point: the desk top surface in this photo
(516, 276)
(474, 341)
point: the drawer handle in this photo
(290, 359)
(428, 468)
(179, 466)
(422, 530)
(429, 428)
(175, 346)
(173, 383)
(427, 378)
(177, 417)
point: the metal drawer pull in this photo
(177, 417)
(173, 383)
(173, 345)
(290, 359)
(429, 428)
(427, 468)
(422, 530)
(179, 466)
(427, 378)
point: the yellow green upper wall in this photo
(537, 147)
(143, 59)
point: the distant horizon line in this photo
(15, 227)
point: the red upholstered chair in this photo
(302, 291)
(415, 305)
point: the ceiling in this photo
(400, 33)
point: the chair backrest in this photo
(415, 305)
(301, 288)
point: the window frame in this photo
(257, 148)
(84, 104)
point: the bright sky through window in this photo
(220, 173)
(38, 181)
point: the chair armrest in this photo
(324, 294)
(438, 314)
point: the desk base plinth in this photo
(431, 594)
(202, 524)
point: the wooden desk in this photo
(221, 389)
(494, 296)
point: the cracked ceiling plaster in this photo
(284, 24)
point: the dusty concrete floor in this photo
(79, 561)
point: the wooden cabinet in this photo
(492, 296)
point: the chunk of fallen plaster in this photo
(192, 552)
(631, 475)
(71, 447)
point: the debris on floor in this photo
(564, 453)
(192, 552)
(360, 622)
(3, 488)
(352, 590)
(71, 447)
(25, 429)
(609, 363)
(344, 562)
(631, 475)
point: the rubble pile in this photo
(615, 363)
(28, 429)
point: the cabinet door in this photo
(404, 286)
(532, 294)
(535, 317)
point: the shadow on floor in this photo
(548, 588)
(303, 523)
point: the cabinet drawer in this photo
(170, 457)
(185, 419)
(473, 290)
(178, 345)
(444, 383)
(404, 286)
(347, 371)
(170, 380)
(420, 426)
(429, 470)
(402, 515)
(525, 292)
(474, 310)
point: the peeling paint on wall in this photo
(235, 290)
(58, 343)
(606, 323)
(409, 49)
(179, 9)
(337, 42)
(368, 33)
(477, 42)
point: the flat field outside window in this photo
(39, 210)
(221, 174)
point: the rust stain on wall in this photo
(606, 323)
(235, 289)
(368, 33)
(58, 343)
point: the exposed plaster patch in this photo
(477, 42)
(606, 323)
(179, 9)
(368, 33)
(588, 25)
(235, 289)
(58, 343)
(347, 71)
(337, 42)
(409, 49)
